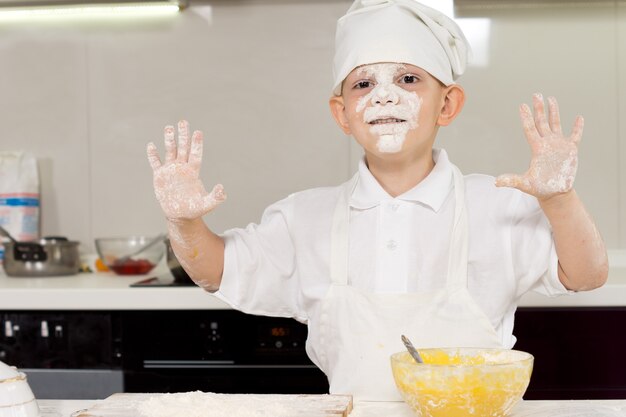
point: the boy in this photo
(408, 245)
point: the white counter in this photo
(599, 408)
(100, 291)
(106, 291)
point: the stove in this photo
(166, 280)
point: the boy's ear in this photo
(337, 108)
(453, 103)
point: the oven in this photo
(64, 354)
(222, 351)
(93, 354)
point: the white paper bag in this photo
(19, 196)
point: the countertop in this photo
(106, 291)
(595, 408)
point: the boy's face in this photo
(391, 108)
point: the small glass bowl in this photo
(115, 251)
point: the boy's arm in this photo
(184, 201)
(583, 262)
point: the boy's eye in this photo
(363, 84)
(408, 79)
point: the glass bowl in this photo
(460, 382)
(114, 253)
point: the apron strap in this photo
(458, 255)
(340, 234)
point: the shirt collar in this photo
(432, 191)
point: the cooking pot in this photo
(50, 256)
(180, 276)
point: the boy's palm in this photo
(554, 157)
(177, 183)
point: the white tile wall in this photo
(620, 109)
(564, 50)
(255, 78)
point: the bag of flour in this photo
(19, 196)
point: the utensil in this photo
(51, 256)
(5, 233)
(409, 346)
(148, 245)
(24, 251)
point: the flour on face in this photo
(390, 110)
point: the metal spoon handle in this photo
(153, 242)
(409, 346)
(4, 233)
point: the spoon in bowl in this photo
(409, 346)
(148, 245)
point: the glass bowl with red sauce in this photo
(114, 253)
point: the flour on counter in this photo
(563, 409)
(203, 404)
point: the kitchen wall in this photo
(255, 76)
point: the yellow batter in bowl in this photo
(462, 382)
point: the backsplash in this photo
(256, 77)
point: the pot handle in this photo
(29, 251)
(55, 238)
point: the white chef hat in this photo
(402, 31)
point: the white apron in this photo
(354, 332)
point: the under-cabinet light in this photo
(69, 9)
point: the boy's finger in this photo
(153, 156)
(553, 113)
(528, 124)
(540, 116)
(170, 144)
(215, 197)
(183, 141)
(577, 131)
(508, 180)
(195, 154)
(520, 182)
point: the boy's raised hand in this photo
(176, 181)
(554, 156)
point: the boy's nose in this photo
(384, 95)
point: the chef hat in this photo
(402, 31)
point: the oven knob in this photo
(8, 329)
(45, 332)
(278, 344)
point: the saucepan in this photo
(50, 256)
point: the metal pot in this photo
(50, 256)
(180, 276)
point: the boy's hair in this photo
(401, 31)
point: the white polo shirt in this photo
(280, 267)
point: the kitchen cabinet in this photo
(578, 341)
(579, 351)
